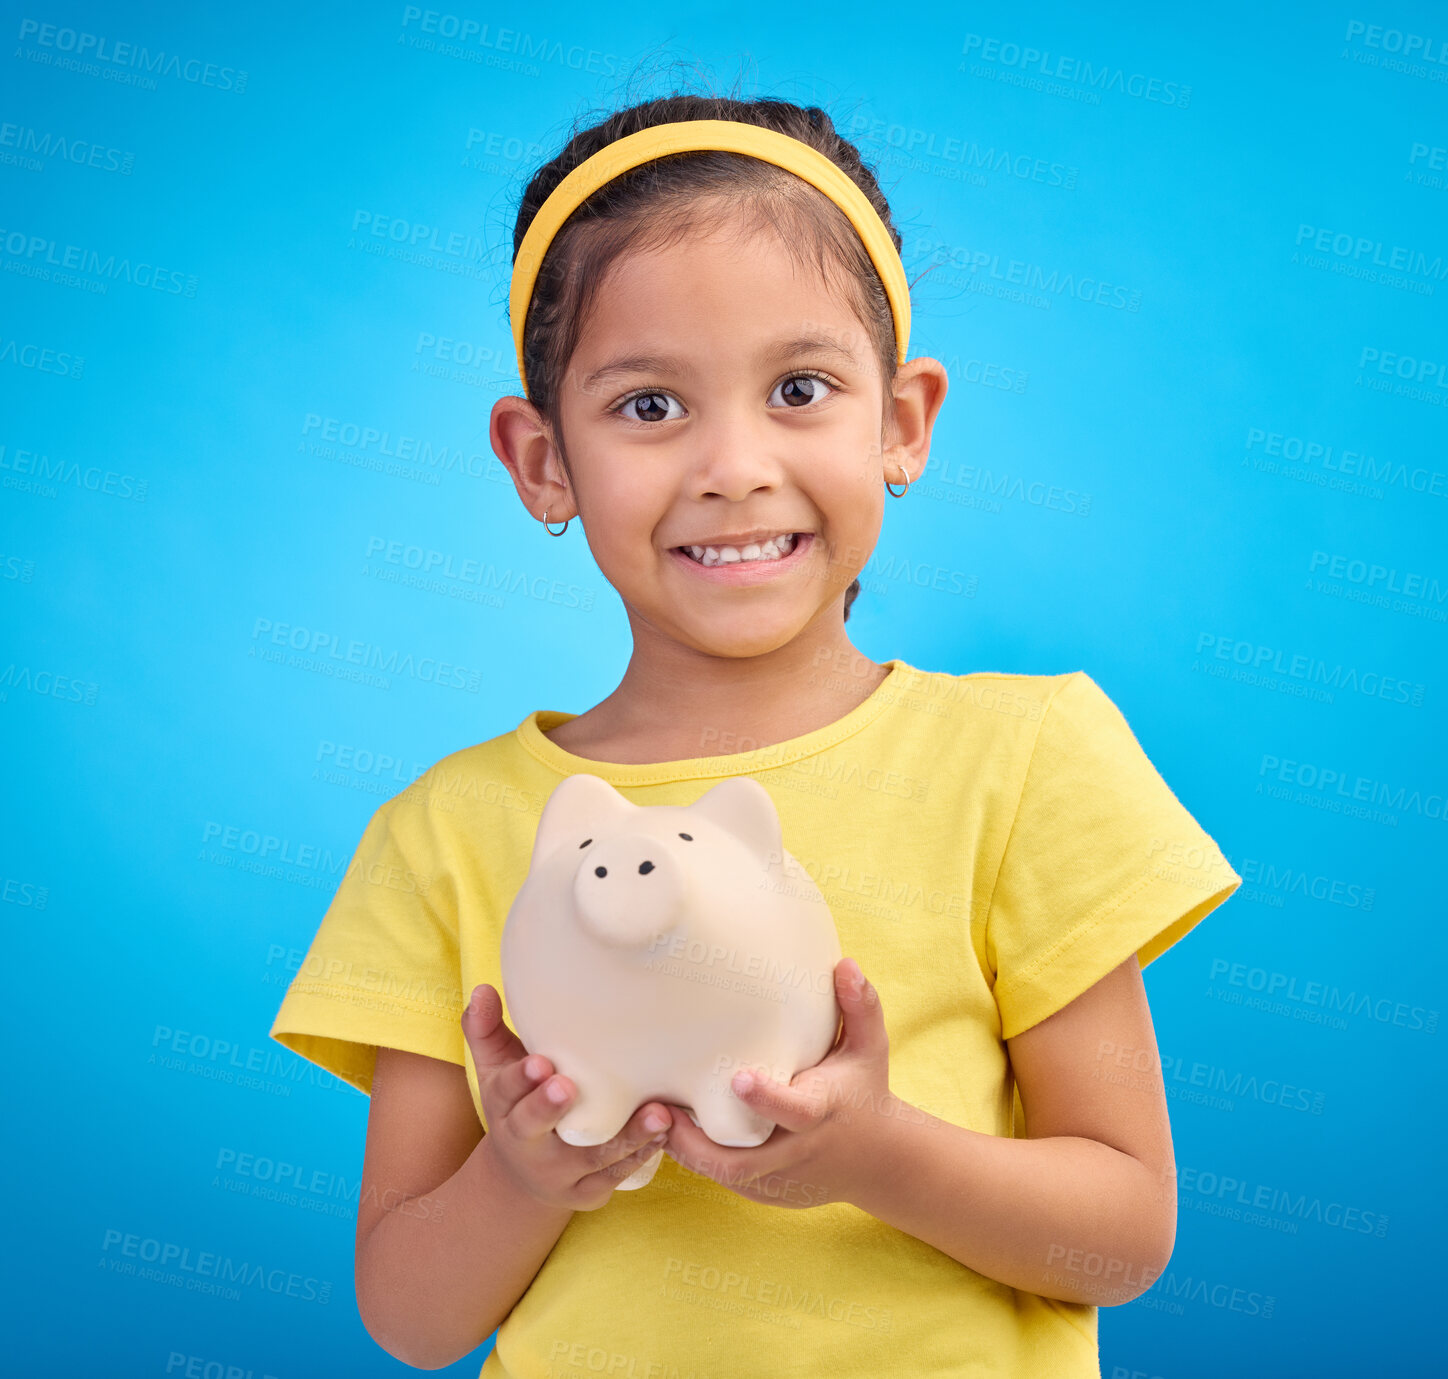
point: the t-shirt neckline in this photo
(531, 732)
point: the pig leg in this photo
(600, 1109)
(642, 1175)
(598, 1114)
(727, 1120)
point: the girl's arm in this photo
(1084, 1207)
(445, 1244)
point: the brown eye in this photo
(800, 389)
(657, 408)
(585, 842)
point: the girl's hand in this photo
(514, 1088)
(826, 1120)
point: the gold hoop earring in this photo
(904, 490)
(550, 530)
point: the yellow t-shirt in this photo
(990, 845)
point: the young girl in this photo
(711, 322)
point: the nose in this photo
(628, 889)
(736, 456)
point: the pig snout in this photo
(629, 889)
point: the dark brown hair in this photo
(658, 204)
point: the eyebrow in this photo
(776, 353)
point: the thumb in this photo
(860, 1004)
(492, 1042)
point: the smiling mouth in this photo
(776, 548)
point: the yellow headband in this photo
(731, 136)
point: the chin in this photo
(742, 644)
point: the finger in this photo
(794, 1108)
(860, 1005)
(539, 1110)
(492, 1042)
(691, 1148)
(506, 1072)
(616, 1171)
(646, 1132)
(516, 1080)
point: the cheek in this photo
(863, 486)
(621, 521)
(844, 455)
(618, 502)
(868, 462)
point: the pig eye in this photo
(688, 837)
(585, 842)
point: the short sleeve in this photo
(383, 968)
(1102, 861)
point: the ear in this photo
(918, 392)
(579, 806)
(523, 442)
(745, 808)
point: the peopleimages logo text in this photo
(1099, 77)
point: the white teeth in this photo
(773, 549)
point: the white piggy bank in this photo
(654, 950)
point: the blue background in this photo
(171, 497)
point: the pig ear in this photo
(745, 808)
(579, 806)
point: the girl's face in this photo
(720, 396)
